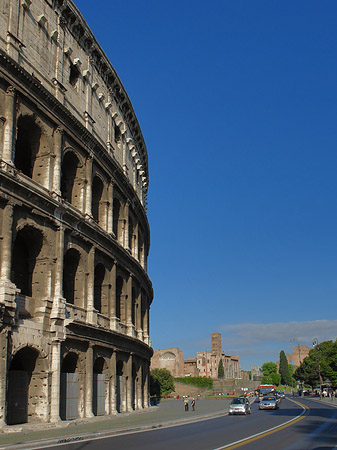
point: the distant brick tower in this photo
(216, 343)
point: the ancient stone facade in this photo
(297, 356)
(190, 367)
(208, 361)
(74, 290)
(171, 359)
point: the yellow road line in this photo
(267, 432)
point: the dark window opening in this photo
(98, 285)
(70, 266)
(74, 75)
(27, 145)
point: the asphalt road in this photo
(305, 425)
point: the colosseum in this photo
(74, 290)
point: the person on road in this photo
(186, 403)
(193, 404)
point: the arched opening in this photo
(99, 388)
(70, 182)
(131, 236)
(116, 212)
(26, 391)
(26, 248)
(74, 75)
(69, 387)
(70, 269)
(27, 144)
(133, 306)
(119, 386)
(134, 386)
(140, 246)
(119, 290)
(98, 286)
(97, 205)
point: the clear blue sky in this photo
(237, 103)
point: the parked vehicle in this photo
(269, 402)
(240, 405)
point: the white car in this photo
(239, 406)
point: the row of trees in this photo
(318, 367)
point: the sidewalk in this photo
(168, 412)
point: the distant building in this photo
(190, 368)
(297, 356)
(256, 373)
(171, 359)
(208, 361)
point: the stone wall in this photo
(74, 290)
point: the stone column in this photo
(112, 312)
(55, 381)
(88, 189)
(58, 299)
(6, 247)
(125, 228)
(2, 129)
(89, 367)
(139, 325)
(110, 207)
(58, 142)
(146, 322)
(146, 384)
(135, 242)
(112, 383)
(3, 378)
(139, 399)
(8, 135)
(130, 326)
(91, 315)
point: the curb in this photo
(47, 442)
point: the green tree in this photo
(291, 369)
(221, 370)
(323, 359)
(268, 368)
(161, 382)
(284, 369)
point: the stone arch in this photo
(69, 389)
(121, 297)
(98, 288)
(27, 390)
(119, 385)
(134, 372)
(116, 218)
(27, 144)
(71, 183)
(32, 148)
(97, 200)
(140, 245)
(26, 249)
(134, 305)
(73, 278)
(131, 234)
(100, 386)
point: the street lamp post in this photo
(315, 344)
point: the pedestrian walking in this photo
(186, 403)
(193, 404)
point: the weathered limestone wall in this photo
(74, 235)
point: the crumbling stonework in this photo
(74, 290)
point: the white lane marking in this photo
(263, 432)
